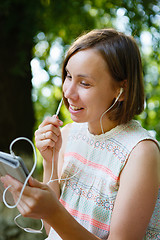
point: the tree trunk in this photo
(16, 40)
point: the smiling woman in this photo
(87, 79)
(106, 176)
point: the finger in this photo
(15, 186)
(30, 206)
(43, 145)
(46, 140)
(51, 120)
(49, 135)
(10, 181)
(32, 189)
(36, 184)
(48, 128)
(25, 205)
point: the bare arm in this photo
(137, 195)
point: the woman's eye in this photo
(85, 84)
(68, 76)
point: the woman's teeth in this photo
(75, 108)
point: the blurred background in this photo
(34, 37)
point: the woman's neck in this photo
(107, 125)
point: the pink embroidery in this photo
(85, 217)
(89, 163)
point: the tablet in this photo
(13, 166)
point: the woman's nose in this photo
(70, 91)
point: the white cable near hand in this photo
(26, 180)
(29, 175)
(24, 185)
(50, 180)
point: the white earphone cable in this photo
(29, 175)
(26, 180)
(24, 185)
(121, 91)
(50, 180)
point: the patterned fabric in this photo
(92, 165)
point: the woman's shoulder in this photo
(149, 148)
(145, 158)
(133, 133)
(145, 151)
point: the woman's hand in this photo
(40, 202)
(37, 200)
(48, 136)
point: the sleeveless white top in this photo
(94, 163)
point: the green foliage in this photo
(63, 21)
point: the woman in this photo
(108, 164)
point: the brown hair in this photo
(123, 59)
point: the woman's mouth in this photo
(74, 108)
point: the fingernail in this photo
(2, 179)
(60, 122)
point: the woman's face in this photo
(89, 88)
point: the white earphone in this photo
(120, 93)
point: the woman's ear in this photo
(122, 90)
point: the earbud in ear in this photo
(121, 91)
